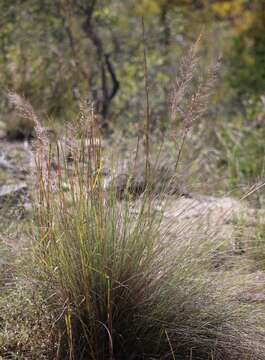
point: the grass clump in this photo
(113, 280)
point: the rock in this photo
(12, 194)
(230, 222)
(3, 131)
(162, 179)
(213, 208)
(11, 189)
(131, 185)
(20, 129)
(5, 165)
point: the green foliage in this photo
(247, 73)
(49, 56)
(244, 153)
(246, 52)
(257, 245)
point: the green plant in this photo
(243, 152)
(254, 241)
(116, 281)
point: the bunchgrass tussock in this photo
(113, 280)
(109, 276)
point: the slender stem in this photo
(136, 153)
(183, 139)
(147, 109)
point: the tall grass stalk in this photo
(120, 283)
(147, 110)
(192, 110)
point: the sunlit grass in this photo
(111, 279)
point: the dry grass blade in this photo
(147, 111)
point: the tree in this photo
(247, 21)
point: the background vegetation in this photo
(58, 52)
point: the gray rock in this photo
(12, 194)
(131, 185)
(3, 131)
(5, 165)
